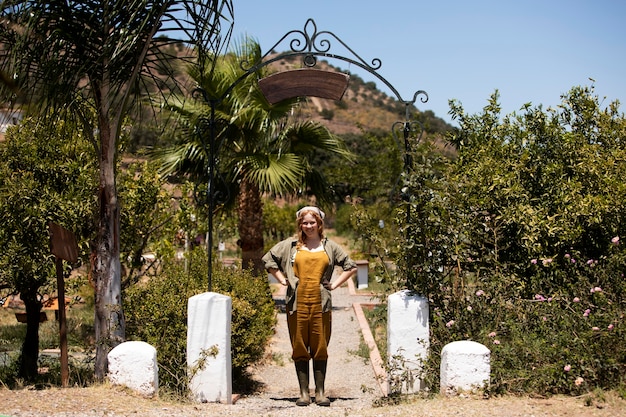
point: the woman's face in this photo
(309, 226)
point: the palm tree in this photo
(88, 60)
(260, 149)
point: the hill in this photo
(362, 109)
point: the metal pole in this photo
(210, 192)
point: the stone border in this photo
(375, 358)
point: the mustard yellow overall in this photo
(309, 328)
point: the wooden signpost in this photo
(64, 247)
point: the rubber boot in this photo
(319, 374)
(302, 369)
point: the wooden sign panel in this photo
(304, 83)
(63, 243)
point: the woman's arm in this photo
(274, 260)
(341, 259)
(345, 275)
(278, 274)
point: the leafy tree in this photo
(373, 174)
(278, 222)
(262, 150)
(90, 56)
(146, 219)
(45, 177)
(518, 242)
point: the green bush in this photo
(562, 341)
(156, 313)
(343, 225)
(327, 114)
(516, 244)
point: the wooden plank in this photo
(375, 358)
(63, 243)
(304, 83)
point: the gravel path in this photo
(351, 383)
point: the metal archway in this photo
(309, 44)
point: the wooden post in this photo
(64, 247)
(65, 377)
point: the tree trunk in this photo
(30, 348)
(250, 211)
(110, 327)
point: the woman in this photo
(305, 264)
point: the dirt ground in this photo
(114, 401)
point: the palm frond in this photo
(189, 158)
(306, 137)
(259, 142)
(273, 173)
(56, 49)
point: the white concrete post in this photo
(407, 340)
(465, 366)
(362, 271)
(208, 347)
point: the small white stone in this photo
(465, 366)
(134, 365)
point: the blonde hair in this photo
(300, 234)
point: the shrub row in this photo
(156, 312)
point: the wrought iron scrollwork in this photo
(200, 93)
(412, 132)
(309, 44)
(421, 93)
(405, 133)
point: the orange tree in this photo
(519, 243)
(44, 178)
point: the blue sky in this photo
(530, 51)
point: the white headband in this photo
(310, 208)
